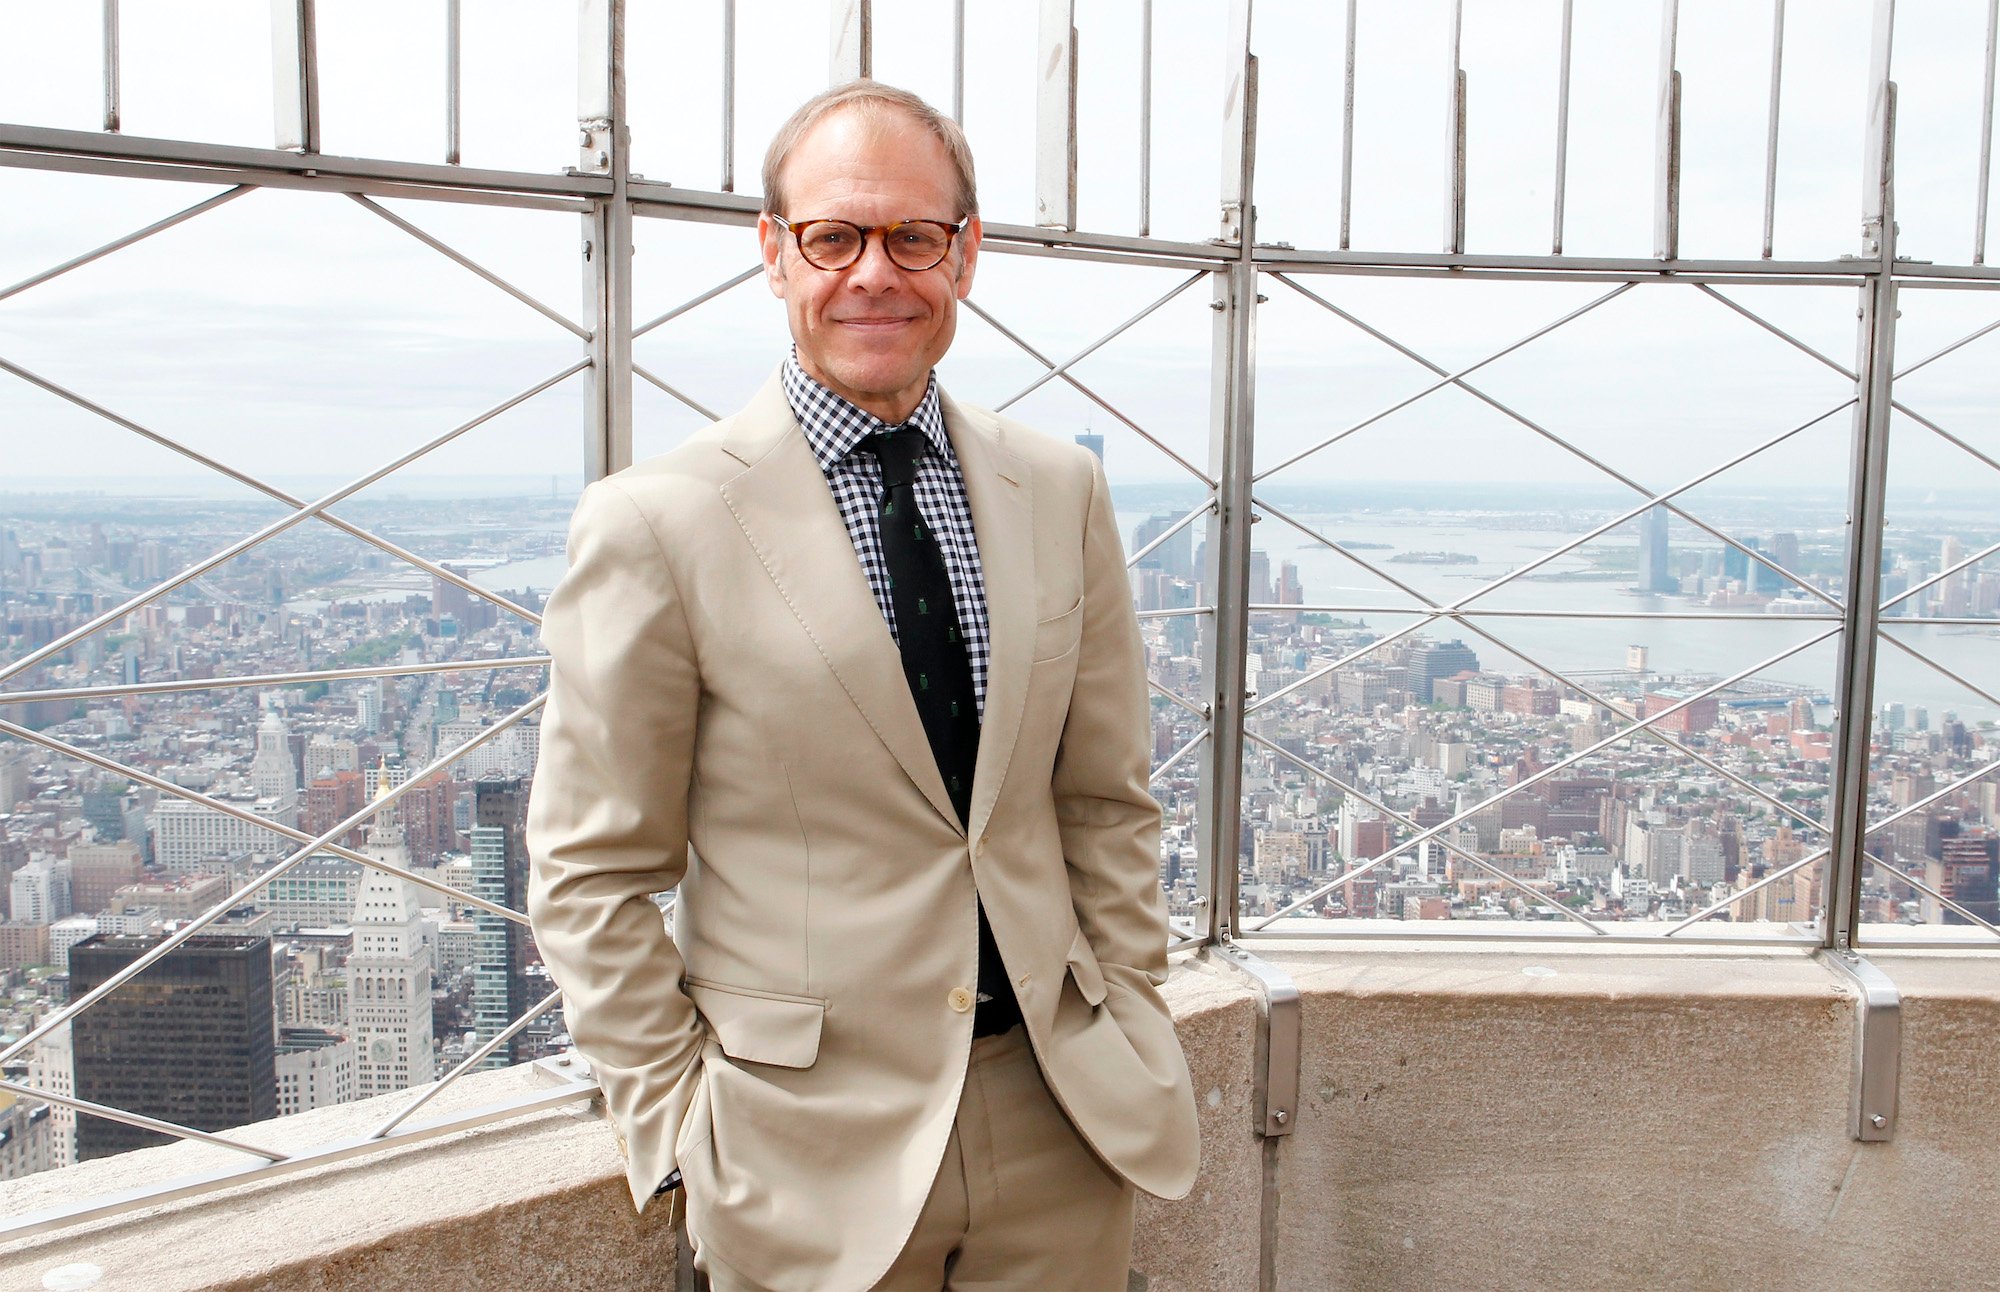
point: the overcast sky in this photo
(297, 333)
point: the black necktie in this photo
(937, 668)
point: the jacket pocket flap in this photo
(760, 1027)
(1084, 969)
(1058, 636)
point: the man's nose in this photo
(874, 271)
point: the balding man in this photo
(857, 670)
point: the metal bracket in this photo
(1277, 1071)
(1878, 1046)
(595, 142)
(567, 1068)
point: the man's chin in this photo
(865, 385)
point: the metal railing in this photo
(1225, 723)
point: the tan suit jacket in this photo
(723, 679)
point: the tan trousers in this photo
(1020, 1204)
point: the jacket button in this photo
(961, 1000)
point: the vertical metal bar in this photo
(1874, 368)
(1146, 117)
(1771, 123)
(1667, 141)
(1985, 134)
(853, 48)
(1347, 135)
(1227, 571)
(1875, 170)
(1562, 128)
(1232, 462)
(1055, 116)
(958, 61)
(111, 67)
(295, 73)
(1454, 216)
(453, 43)
(607, 233)
(729, 96)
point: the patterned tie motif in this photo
(935, 664)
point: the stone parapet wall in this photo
(1516, 1116)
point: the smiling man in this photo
(857, 670)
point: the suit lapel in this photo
(999, 488)
(782, 503)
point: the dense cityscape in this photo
(336, 980)
(1350, 774)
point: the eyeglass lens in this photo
(836, 244)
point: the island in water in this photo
(1434, 558)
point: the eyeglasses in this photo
(915, 245)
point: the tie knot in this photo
(898, 449)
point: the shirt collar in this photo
(833, 426)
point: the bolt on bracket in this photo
(1878, 1046)
(1277, 1068)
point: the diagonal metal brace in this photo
(1277, 1064)
(1878, 1045)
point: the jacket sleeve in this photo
(1109, 822)
(608, 822)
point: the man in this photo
(872, 655)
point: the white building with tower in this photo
(389, 974)
(52, 1067)
(273, 773)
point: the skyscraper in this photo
(389, 974)
(104, 808)
(190, 1040)
(1951, 593)
(1757, 576)
(273, 772)
(1428, 661)
(1174, 556)
(41, 890)
(499, 874)
(1261, 592)
(97, 870)
(1290, 591)
(52, 1067)
(1655, 573)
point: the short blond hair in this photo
(873, 97)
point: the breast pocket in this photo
(1057, 637)
(760, 1026)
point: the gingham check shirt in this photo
(834, 429)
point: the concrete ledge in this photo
(1610, 1117)
(535, 1202)
(1497, 1117)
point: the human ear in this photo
(771, 240)
(968, 254)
